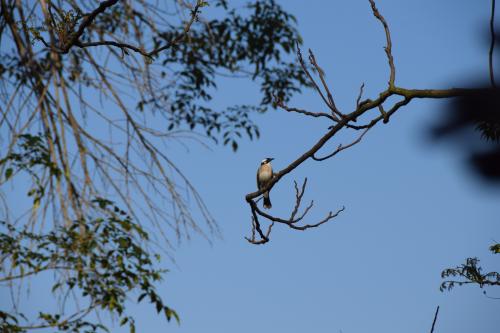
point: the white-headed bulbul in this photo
(264, 175)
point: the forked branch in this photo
(74, 38)
(292, 222)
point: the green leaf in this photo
(495, 248)
(169, 313)
(55, 286)
(8, 173)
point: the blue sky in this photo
(412, 207)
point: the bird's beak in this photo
(271, 158)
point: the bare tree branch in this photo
(341, 121)
(361, 88)
(291, 222)
(74, 38)
(321, 74)
(313, 82)
(435, 318)
(492, 46)
(388, 47)
(88, 19)
(281, 105)
(341, 147)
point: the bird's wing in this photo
(258, 184)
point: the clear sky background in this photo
(412, 206)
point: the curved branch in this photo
(281, 105)
(313, 82)
(388, 47)
(345, 121)
(89, 18)
(290, 222)
(362, 109)
(341, 147)
(321, 74)
(492, 46)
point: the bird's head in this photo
(266, 160)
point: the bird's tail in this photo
(267, 201)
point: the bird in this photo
(264, 176)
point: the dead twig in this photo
(435, 318)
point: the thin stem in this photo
(492, 46)
(435, 318)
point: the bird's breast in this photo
(265, 173)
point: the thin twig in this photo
(341, 147)
(492, 46)
(281, 105)
(311, 79)
(321, 74)
(435, 318)
(388, 47)
(89, 18)
(360, 94)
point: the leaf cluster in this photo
(255, 46)
(103, 259)
(256, 41)
(470, 273)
